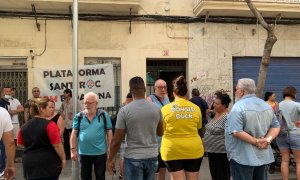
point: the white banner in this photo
(91, 78)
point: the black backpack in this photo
(102, 113)
(4, 103)
(113, 119)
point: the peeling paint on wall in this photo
(13, 43)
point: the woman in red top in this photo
(270, 98)
(43, 157)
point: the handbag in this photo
(283, 124)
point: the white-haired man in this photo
(160, 98)
(90, 138)
(250, 128)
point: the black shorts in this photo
(190, 165)
(161, 163)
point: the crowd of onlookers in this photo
(154, 137)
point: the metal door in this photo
(16, 79)
(167, 70)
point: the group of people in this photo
(42, 128)
(288, 142)
(157, 136)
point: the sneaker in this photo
(2, 175)
(18, 160)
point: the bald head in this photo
(160, 88)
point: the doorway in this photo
(168, 70)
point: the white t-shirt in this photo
(14, 103)
(5, 122)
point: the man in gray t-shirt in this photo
(141, 121)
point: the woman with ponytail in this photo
(182, 148)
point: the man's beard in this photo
(237, 98)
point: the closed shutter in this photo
(282, 72)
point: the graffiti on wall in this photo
(207, 93)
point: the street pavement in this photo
(204, 172)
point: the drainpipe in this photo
(75, 165)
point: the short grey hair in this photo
(92, 94)
(247, 84)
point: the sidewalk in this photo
(204, 172)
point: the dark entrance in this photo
(167, 70)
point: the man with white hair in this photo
(90, 138)
(250, 128)
(160, 98)
(6, 134)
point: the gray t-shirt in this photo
(140, 119)
(291, 113)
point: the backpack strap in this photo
(104, 120)
(79, 121)
(158, 99)
(102, 113)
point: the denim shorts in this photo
(292, 141)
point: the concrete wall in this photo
(99, 39)
(208, 47)
(214, 45)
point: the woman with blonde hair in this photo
(56, 117)
(43, 157)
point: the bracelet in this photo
(269, 139)
(256, 141)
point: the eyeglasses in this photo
(89, 102)
(36, 91)
(161, 87)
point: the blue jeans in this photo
(140, 169)
(86, 166)
(244, 172)
(2, 156)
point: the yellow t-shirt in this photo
(181, 140)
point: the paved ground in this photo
(204, 172)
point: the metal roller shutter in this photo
(282, 72)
